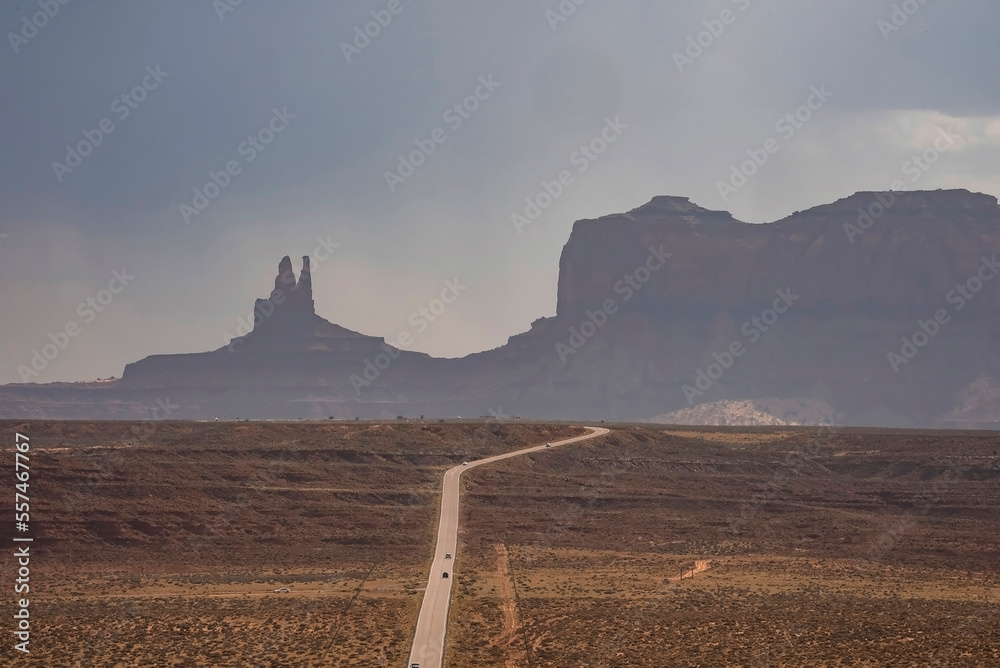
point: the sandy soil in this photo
(845, 548)
(162, 544)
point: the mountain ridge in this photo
(682, 286)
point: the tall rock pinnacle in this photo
(289, 301)
(304, 288)
(284, 282)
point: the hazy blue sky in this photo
(555, 85)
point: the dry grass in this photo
(164, 547)
(603, 538)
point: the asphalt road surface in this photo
(432, 624)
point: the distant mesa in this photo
(649, 306)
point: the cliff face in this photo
(906, 260)
(818, 304)
(880, 306)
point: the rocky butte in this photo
(880, 309)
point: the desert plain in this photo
(308, 544)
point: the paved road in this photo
(432, 624)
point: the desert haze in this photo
(395, 334)
(669, 312)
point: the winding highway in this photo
(432, 624)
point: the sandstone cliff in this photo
(881, 306)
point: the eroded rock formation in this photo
(881, 306)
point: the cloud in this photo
(325, 174)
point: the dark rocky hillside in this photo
(880, 305)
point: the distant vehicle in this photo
(448, 555)
(548, 445)
(283, 590)
(414, 665)
(465, 463)
(445, 575)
